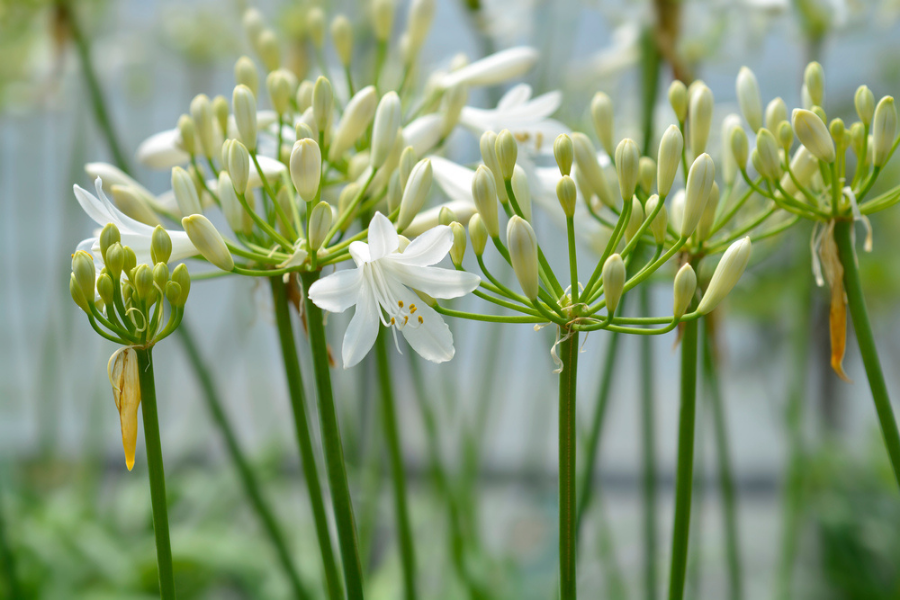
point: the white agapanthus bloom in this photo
(134, 234)
(496, 68)
(381, 287)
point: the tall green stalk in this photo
(568, 355)
(398, 476)
(856, 301)
(242, 465)
(304, 439)
(334, 451)
(726, 477)
(7, 558)
(684, 477)
(156, 473)
(648, 453)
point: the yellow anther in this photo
(393, 322)
(412, 308)
(400, 303)
(421, 320)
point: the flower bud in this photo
(231, 206)
(348, 195)
(304, 132)
(701, 119)
(522, 191)
(769, 158)
(858, 140)
(382, 19)
(484, 191)
(523, 255)
(220, 112)
(488, 147)
(699, 183)
(884, 130)
(323, 103)
(105, 288)
(685, 286)
(115, 260)
(243, 104)
(864, 101)
(188, 133)
(478, 233)
(245, 73)
(202, 115)
(635, 219)
(458, 249)
(83, 268)
(814, 79)
(305, 95)
(748, 98)
(160, 245)
(124, 376)
(208, 241)
(776, 113)
(408, 160)
(613, 277)
(670, 148)
(567, 194)
(646, 173)
(109, 235)
(785, 136)
(813, 134)
(280, 88)
(160, 275)
(183, 279)
(78, 295)
(415, 192)
(507, 150)
(237, 162)
(319, 223)
(143, 281)
(729, 164)
(708, 218)
(269, 52)
(306, 168)
(446, 216)
(740, 147)
(586, 160)
(185, 192)
(817, 110)
(838, 131)
(564, 152)
(726, 275)
(357, 116)
(384, 131)
(627, 168)
(315, 27)
(678, 100)
(602, 115)
(129, 262)
(172, 291)
(452, 104)
(659, 222)
(754, 160)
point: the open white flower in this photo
(496, 68)
(381, 287)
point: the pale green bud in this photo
(322, 103)
(348, 195)
(243, 103)
(78, 295)
(237, 162)
(684, 288)
(131, 202)
(754, 160)
(414, 193)
(384, 131)
(105, 288)
(858, 140)
(728, 163)
(635, 219)
(484, 191)
(181, 277)
(319, 223)
(269, 52)
(602, 116)
(627, 167)
(408, 162)
(143, 282)
(188, 132)
(478, 233)
(208, 241)
(306, 168)
(220, 112)
(487, 145)
(586, 160)
(864, 100)
(452, 104)
(129, 262)
(740, 147)
(701, 109)
(769, 158)
(173, 292)
(678, 100)
(280, 87)
(660, 221)
(231, 206)
(522, 244)
(748, 98)
(670, 148)
(776, 113)
(160, 275)
(185, 192)
(382, 19)
(305, 95)
(304, 132)
(160, 245)
(358, 163)
(646, 173)
(507, 151)
(115, 259)
(785, 135)
(613, 277)
(567, 194)
(708, 218)
(726, 275)
(446, 216)
(522, 191)
(315, 27)
(253, 23)
(245, 73)
(837, 131)
(699, 184)
(109, 235)
(814, 80)
(458, 249)
(357, 116)
(819, 112)
(813, 134)
(564, 152)
(421, 15)
(884, 130)
(202, 115)
(83, 268)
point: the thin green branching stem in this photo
(351, 209)
(156, 473)
(573, 258)
(334, 451)
(568, 355)
(486, 318)
(856, 301)
(398, 475)
(285, 219)
(546, 272)
(725, 218)
(648, 452)
(265, 226)
(304, 438)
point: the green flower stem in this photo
(573, 259)
(334, 452)
(202, 180)
(285, 220)
(723, 453)
(486, 318)
(568, 354)
(351, 209)
(157, 476)
(684, 477)
(245, 471)
(610, 246)
(546, 273)
(724, 218)
(857, 303)
(648, 454)
(264, 225)
(392, 436)
(7, 558)
(304, 439)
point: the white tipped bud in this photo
(748, 98)
(188, 132)
(864, 100)
(646, 173)
(613, 277)
(202, 115)
(452, 104)
(635, 219)
(776, 113)
(740, 147)
(384, 131)
(684, 288)
(699, 183)
(357, 116)
(304, 95)
(280, 85)
(245, 73)
(231, 206)
(678, 100)
(567, 194)
(244, 106)
(382, 19)
(884, 130)
(253, 23)
(315, 26)
(813, 134)
(414, 193)
(488, 147)
(586, 160)
(306, 168)
(564, 153)
(133, 204)
(708, 218)
(322, 103)
(408, 160)
(319, 223)
(507, 151)
(458, 249)
(729, 164)
(421, 15)
(726, 275)
(602, 115)
(814, 80)
(484, 191)
(769, 157)
(208, 241)
(522, 245)
(237, 162)
(478, 233)
(670, 148)
(185, 192)
(701, 108)
(269, 52)
(804, 166)
(522, 191)
(660, 221)
(446, 216)
(627, 167)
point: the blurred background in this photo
(816, 506)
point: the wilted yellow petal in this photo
(125, 381)
(837, 319)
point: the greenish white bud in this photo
(567, 194)
(231, 206)
(522, 244)
(384, 131)
(160, 245)
(814, 80)
(280, 86)
(884, 130)
(319, 223)
(635, 219)
(740, 147)
(701, 109)
(729, 164)
(253, 23)
(670, 148)
(220, 112)
(684, 288)
(173, 292)
(478, 233)
(646, 173)
(143, 282)
(564, 153)
(864, 100)
(446, 216)
(188, 132)
(269, 52)
(105, 288)
(414, 193)
(304, 132)
(627, 167)
(382, 19)
(421, 15)
(748, 98)
(243, 103)
(160, 275)
(837, 131)
(678, 100)
(586, 160)
(858, 140)
(785, 135)
(202, 115)
(458, 249)
(185, 192)
(208, 241)
(129, 262)
(813, 134)
(776, 112)
(484, 191)
(183, 279)
(602, 116)
(522, 191)
(357, 116)
(306, 168)
(708, 218)
(769, 158)
(660, 221)
(452, 104)
(613, 277)
(245, 73)
(726, 275)
(305, 95)
(78, 295)
(699, 184)
(115, 259)
(507, 151)
(487, 145)
(323, 103)
(315, 27)
(237, 162)
(131, 202)
(83, 268)
(109, 235)
(348, 195)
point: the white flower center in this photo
(394, 312)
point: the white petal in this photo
(429, 248)
(431, 338)
(496, 68)
(360, 253)
(122, 221)
(424, 133)
(455, 180)
(436, 282)
(383, 238)
(518, 94)
(162, 150)
(338, 291)
(363, 328)
(271, 168)
(182, 246)
(429, 219)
